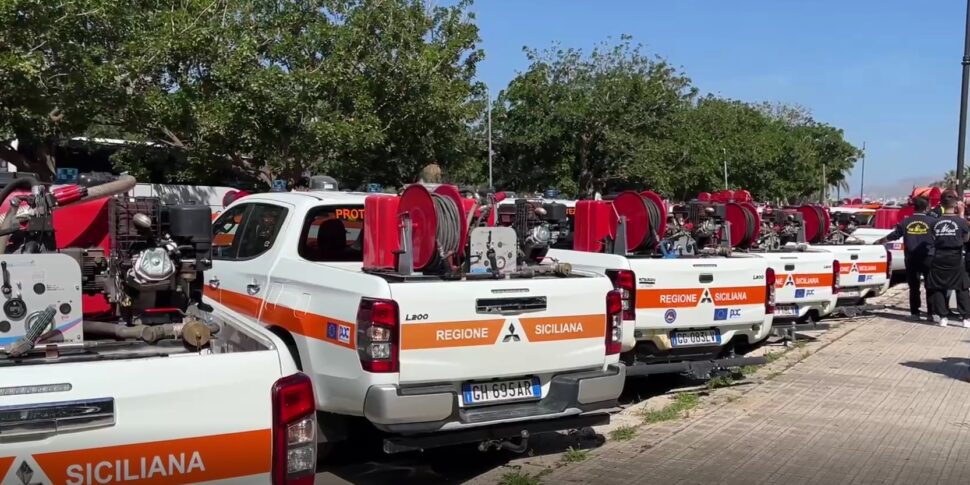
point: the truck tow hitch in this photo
(507, 444)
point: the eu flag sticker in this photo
(800, 293)
(720, 313)
(331, 330)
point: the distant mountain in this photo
(899, 188)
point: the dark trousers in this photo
(917, 268)
(941, 307)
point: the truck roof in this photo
(310, 198)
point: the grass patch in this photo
(772, 356)
(719, 382)
(623, 433)
(574, 455)
(749, 370)
(799, 344)
(675, 410)
(518, 478)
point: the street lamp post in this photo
(488, 100)
(961, 143)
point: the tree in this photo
(253, 89)
(580, 122)
(948, 181)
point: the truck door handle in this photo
(789, 267)
(705, 278)
(214, 282)
(253, 288)
(854, 257)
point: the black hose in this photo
(17, 183)
(653, 215)
(749, 222)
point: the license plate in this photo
(691, 338)
(786, 310)
(848, 293)
(475, 393)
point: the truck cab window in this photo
(333, 233)
(224, 232)
(262, 226)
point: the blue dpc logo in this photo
(670, 316)
(331, 330)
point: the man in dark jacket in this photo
(917, 248)
(947, 271)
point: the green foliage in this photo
(623, 433)
(574, 455)
(518, 478)
(365, 90)
(618, 119)
(675, 410)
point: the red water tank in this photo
(594, 222)
(380, 231)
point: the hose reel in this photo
(817, 221)
(646, 218)
(439, 228)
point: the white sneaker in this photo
(966, 323)
(943, 322)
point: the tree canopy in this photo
(226, 91)
(617, 118)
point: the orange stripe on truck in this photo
(186, 460)
(667, 298)
(547, 329)
(863, 268)
(5, 462)
(689, 298)
(806, 280)
(450, 334)
(310, 325)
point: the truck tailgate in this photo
(500, 328)
(801, 276)
(860, 265)
(699, 292)
(180, 419)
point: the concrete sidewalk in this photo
(884, 403)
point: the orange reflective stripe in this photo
(689, 298)
(740, 295)
(311, 325)
(863, 268)
(806, 280)
(438, 335)
(667, 298)
(186, 460)
(5, 462)
(546, 329)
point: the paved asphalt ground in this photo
(870, 400)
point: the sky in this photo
(887, 72)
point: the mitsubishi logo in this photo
(706, 297)
(855, 268)
(511, 337)
(25, 473)
(790, 281)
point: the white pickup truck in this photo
(690, 313)
(432, 361)
(864, 270)
(806, 282)
(114, 412)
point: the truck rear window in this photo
(333, 233)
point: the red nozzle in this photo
(69, 194)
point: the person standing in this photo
(917, 247)
(947, 271)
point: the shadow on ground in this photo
(952, 367)
(362, 460)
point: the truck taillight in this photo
(889, 264)
(294, 431)
(836, 276)
(625, 281)
(377, 339)
(614, 322)
(770, 291)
